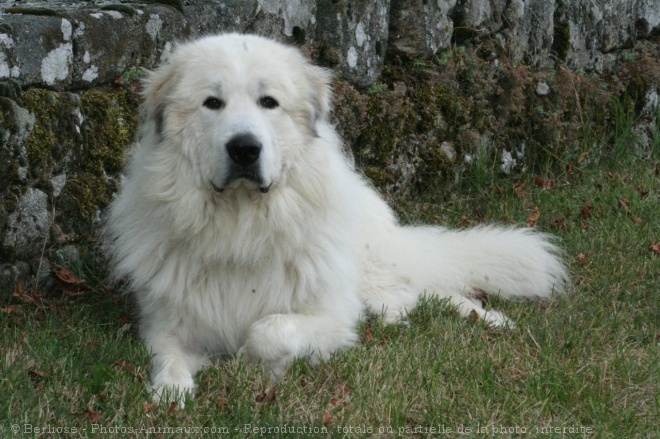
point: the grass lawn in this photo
(585, 364)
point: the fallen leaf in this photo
(464, 222)
(586, 211)
(19, 293)
(66, 276)
(266, 396)
(543, 183)
(496, 188)
(368, 336)
(643, 193)
(582, 258)
(560, 223)
(327, 419)
(582, 157)
(93, 416)
(519, 189)
(69, 283)
(37, 375)
(533, 217)
(655, 248)
(148, 407)
(625, 205)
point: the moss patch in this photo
(55, 133)
(396, 127)
(109, 127)
(83, 137)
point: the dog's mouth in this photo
(249, 182)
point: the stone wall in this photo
(70, 70)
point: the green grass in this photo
(585, 364)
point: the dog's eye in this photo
(213, 103)
(269, 102)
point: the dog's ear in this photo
(320, 92)
(155, 91)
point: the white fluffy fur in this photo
(287, 273)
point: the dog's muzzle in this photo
(244, 150)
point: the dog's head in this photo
(237, 108)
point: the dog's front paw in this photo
(166, 389)
(273, 341)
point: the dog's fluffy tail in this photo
(509, 262)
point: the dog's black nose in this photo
(244, 149)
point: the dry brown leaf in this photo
(533, 217)
(655, 248)
(19, 293)
(368, 336)
(37, 375)
(148, 407)
(643, 193)
(543, 183)
(464, 222)
(582, 157)
(582, 258)
(625, 205)
(266, 396)
(93, 416)
(560, 223)
(66, 276)
(586, 211)
(69, 283)
(519, 189)
(327, 419)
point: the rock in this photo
(648, 17)
(542, 89)
(28, 228)
(420, 27)
(522, 30)
(352, 38)
(594, 32)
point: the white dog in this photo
(243, 228)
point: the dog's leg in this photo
(173, 366)
(276, 340)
